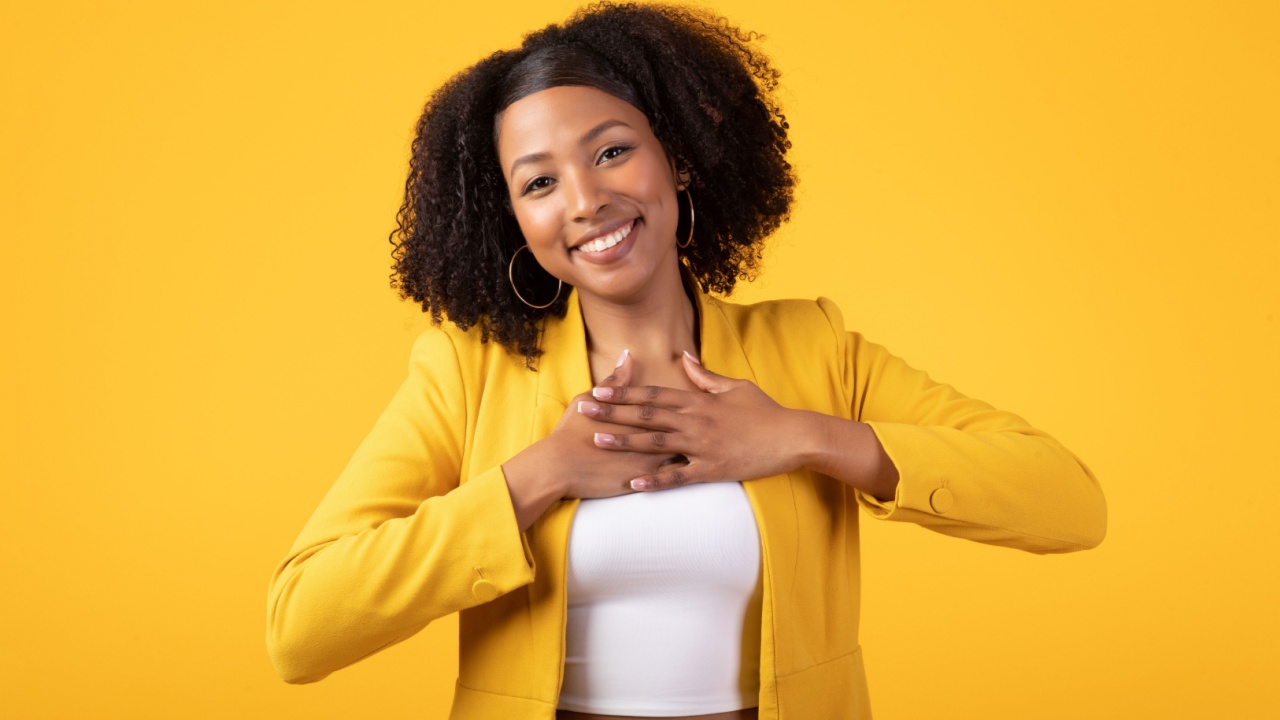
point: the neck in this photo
(656, 328)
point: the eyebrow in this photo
(587, 137)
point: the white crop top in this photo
(662, 588)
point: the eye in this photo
(541, 182)
(614, 151)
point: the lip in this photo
(601, 231)
(617, 252)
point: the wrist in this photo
(812, 446)
(533, 486)
(850, 452)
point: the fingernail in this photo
(639, 484)
(622, 358)
(588, 408)
(691, 357)
(604, 439)
(602, 393)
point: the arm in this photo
(732, 429)
(405, 536)
(911, 448)
(965, 468)
(397, 541)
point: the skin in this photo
(580, 163)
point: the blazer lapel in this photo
(771, 500)
(563, 372)
(771, 497)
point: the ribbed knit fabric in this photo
(659, 588)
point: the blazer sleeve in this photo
(400, 539)
(965, 468)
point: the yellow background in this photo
(1069, 209)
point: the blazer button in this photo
(941, 500)
(484, 590)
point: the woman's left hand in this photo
(731, 431)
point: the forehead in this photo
(546, 120)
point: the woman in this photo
(641, 499)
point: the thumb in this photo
(621, 375)
(704, 378)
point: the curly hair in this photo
(707, 93)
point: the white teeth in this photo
(601, 244)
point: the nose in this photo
(585, 195)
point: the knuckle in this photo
(620, 392)
(652, 391)
(659, 439)
(646, 412)
(678, 478)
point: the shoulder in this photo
(788, 338)
(439, 343)
(447, 351)
(795, 350)
(798, 321)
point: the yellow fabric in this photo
(420, 523)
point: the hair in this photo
(707, 93)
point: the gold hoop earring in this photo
(689, 240)
(511, 276)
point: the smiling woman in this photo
(697, 84)
(642, 500)
(594, 193)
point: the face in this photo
(594, 192)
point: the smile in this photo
(601, 244)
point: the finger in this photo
(644, 394)
(621, 374)
(677, 476)
(647, 417)
(654, 442)
(704, 378)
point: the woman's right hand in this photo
(568, 463)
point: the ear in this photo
(680, 169)
(684, 180)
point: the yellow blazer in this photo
(420, 523)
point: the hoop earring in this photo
(689, 240)
(511, 276)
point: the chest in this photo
(695, 540)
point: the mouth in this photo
(607, 240)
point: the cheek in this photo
(540, 225)
(663, 202)
(655, 182)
